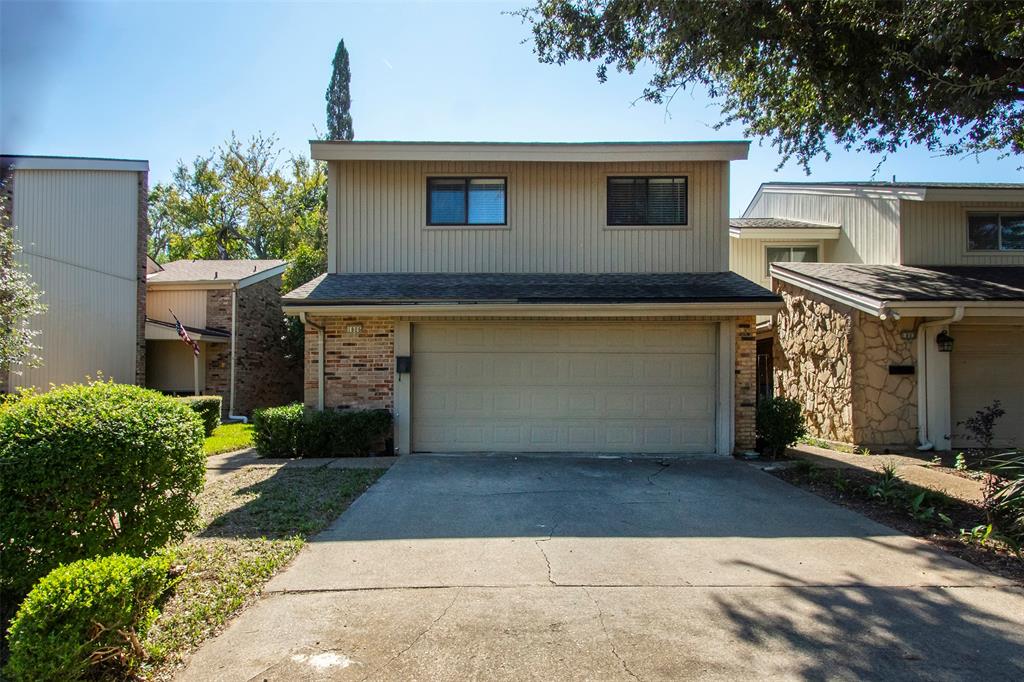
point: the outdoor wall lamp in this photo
(945, 342)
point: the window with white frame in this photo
(995, 231)
(789, 254)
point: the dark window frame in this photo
(998, 213)
(768, 262)
(647, 178)
(465, 198)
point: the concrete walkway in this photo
(454, 568)
(910, 469)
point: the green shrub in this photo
(87, 619)
(88, 470)
(275, 430)
(780, 423)
(292, 431)
(208, 408)
(343, 434)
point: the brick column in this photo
(746, 383)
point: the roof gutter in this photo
(866, 304)
(485, 309)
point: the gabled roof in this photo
(207, 272)
(374, 150)
(526, 288)
(874, 288)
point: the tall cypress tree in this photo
(339, 120)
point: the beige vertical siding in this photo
(747, 257)
(79, 232)
(870, 225)
(170, 366)
(188, 304)
(935, 233)
(556, 220)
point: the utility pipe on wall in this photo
(234, 329)
(320, 331)
(923, 427)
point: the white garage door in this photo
(987, 363)
(564, 387)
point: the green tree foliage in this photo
(339, 101)
(874, 75)
(239, 202)
(19, 300)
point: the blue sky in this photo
(170, 80)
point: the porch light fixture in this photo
(945, 342)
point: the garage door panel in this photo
(987, 364)
(552, 387)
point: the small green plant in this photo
(936, 461)
(960, 462)
(780, 423)
(208, 408)
(87, 619)
(840, 482)
(805, 468)
(978, 535)
(981, 426)
(919, 509)
(889, 488)
(94, 469)
(863, 450)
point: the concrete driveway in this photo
(469, 567)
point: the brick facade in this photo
(142, 207)
(745, 400)
(265, 375)
(359, 369)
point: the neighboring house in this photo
(913, 319)
(83, 227)
(232, 309)
(534, 297)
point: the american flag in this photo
(184, 334)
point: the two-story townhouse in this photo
(520, 297)
(903, 305)
(231, 310)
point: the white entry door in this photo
(538, 386)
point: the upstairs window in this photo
(647, 201)
(466, 201)
(995, 231)
(789, 254)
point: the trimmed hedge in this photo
(292, 431)
(88, 470)
(208, 408)
(780, 423)
(87, 619)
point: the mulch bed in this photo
(992, 556)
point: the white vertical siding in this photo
(935, 233)
(870, 225)
(556, 220)
(79, 232)
(747, 257)
(188, 304)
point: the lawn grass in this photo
(253, 522)
(228, 437)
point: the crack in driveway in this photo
(417, 638)
(611, 642)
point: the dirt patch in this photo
(852, 489)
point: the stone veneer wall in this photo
(264, 374)
(359, 369)
(884, 405)
(746, 384)
(813, 361)
(142, 221)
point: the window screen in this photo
(647, 201)
(995, 232)
(466, 201)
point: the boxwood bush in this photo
(87, 619)
(208, 408)
(94, 469)
(780, 423)
(292, 431)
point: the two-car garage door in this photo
(537, 386)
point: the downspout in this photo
(922, 375)
(320, 331)
(234, 327)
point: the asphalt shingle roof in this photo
(183, 271)
(918, 283)
(371, 288)
(777, 223)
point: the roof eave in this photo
(504, 308)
